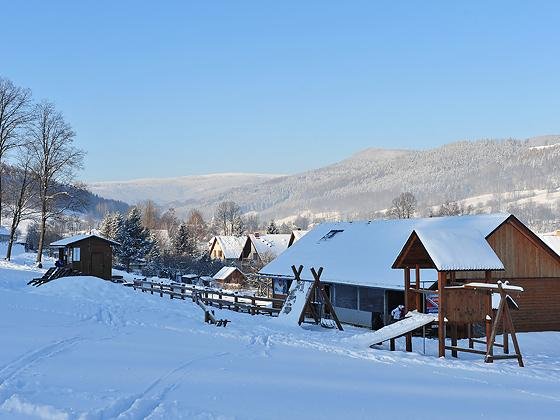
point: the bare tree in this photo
(150, 214)
(228, 218)
(14, 115)
(54, 160)
(403, 206)
(20, 195)
(196, 226)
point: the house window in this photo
(331, 234)
(76, 254)
(346, 296)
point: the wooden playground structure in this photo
(462, 302)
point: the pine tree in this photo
(182, 241)
(134, 239)
(272, 228)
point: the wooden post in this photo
(418, 296)
(454, 339)
(489, 336)
(407, 305)
(469, 335)
(441, 313)
(392, 341)
(488, 279)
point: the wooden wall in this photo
(96, 258)
(531, 265)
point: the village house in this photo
(357, 258)
(89, 255)
(265, 248)
(4, 234)
(229, 276)
(296, 236)
(229, 249)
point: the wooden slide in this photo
(412, 321)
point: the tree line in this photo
(39, 159)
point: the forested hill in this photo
(490, 174)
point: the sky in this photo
(165, 89)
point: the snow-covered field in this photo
(83, 348)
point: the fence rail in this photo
(254, 305)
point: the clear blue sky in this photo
(157, 89)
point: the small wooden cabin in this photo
(229, 276)
(90, 255)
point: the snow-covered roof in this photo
(271, 244)
(232, 246)
(4, 231)
(297, 235)
(362, 253)
(552, 240)
(224, 273)
(72, 239)
(458, 248)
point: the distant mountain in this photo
(166, 191)
(489, 174)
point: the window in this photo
(331, 234)
(76, 254)
(371, 300)
(346, 296)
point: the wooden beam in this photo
(407, 305)
(466, 350)
(441, 313)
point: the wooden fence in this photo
(221, 299)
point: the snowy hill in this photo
(494, 175)
(83, 348)
(168, 190)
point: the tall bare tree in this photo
(197, 226)
(403, 206)
(14, 115)
(54, 160)
(228, 217)
(21, 194)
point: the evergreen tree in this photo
(182, 241)
(272, 228)
(134, 239)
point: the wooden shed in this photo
(230, 276)
(90, 255)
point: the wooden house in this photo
(265, 247)
(90, 255)
(229, 249)
(357, 258)
(4, 234)
(296, 236)
(229, 276)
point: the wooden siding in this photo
(96, 258)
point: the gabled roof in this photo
(454, 249)
(362, 253)
(232, 246)
(77, 238)
(225, 272)
(272, 244)
(296, 236)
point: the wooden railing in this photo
(221, 299)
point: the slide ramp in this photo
(412, 321)
(295, 302)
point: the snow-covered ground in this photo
(83, 348)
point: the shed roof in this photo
(454, 249)
(362, 253)
(273, 244)
(77, 238)
(225, 272)
(232, 246)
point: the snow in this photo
(297, 296)
(73, 239)
(552, 240)
(458, 249)
(84, 348)
(232, 246)
(270, 244)
(412, 321)
(363, 253)
(224, 273)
